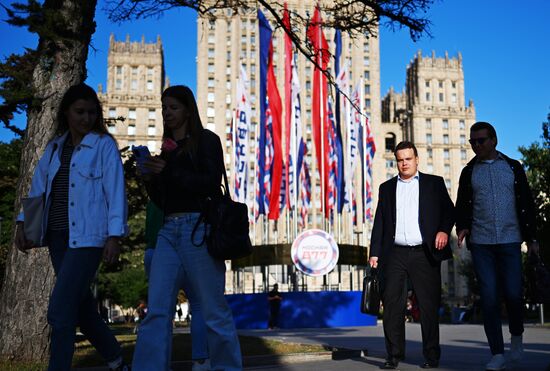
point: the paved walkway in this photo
(463, 347)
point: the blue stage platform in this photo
(301, 310)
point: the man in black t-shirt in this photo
(274, 297)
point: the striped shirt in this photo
(59, 210)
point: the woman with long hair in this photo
(81, 178)
(178, 181)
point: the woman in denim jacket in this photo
(85, 214)
(186, 172)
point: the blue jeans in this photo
(178, 263)
(498, 271)
(199, 345)
(72, 304)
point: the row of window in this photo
(151, 114)
(429, 139)
(445, 124)
(131, 130)
(149, 85)
(441, 97)
(135, 70)
(440, 84)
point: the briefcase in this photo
(370, 299)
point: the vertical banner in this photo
(288, 110)
(369, 156)
(241, 135)
(274, 118)
(319, 97)
(296, 140)
(263, 173)
(332, 163)
(305, 193)
(353, 148)
(340, 180)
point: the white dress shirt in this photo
(407, 230)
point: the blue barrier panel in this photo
(301, 310)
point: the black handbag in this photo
(370, 299)
(226, 226)
(538, 280)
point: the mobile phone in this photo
(141, 153)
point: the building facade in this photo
(131, 102)
(231, 41)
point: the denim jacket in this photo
(97, 196)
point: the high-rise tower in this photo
(135, 80)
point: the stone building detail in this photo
(135, 81)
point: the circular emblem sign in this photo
(314, 252)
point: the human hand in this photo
(21, 243)
(373, 261)
(154, 164)
(461, 235)
(111, 250)
(532, 248)
(441, 239)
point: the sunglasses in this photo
(478, 141)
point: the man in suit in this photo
(410, 238)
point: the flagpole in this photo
(256, 130)
(365, 154)
(294, 128)
(321, 124)
(234, 154)
(350, 173)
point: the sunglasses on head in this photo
(479, 141)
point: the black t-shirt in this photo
(186, 181)
(275, 303)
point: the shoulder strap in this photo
(227, 191)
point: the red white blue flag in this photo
(241, 135)
(332, 163)
(305, 194)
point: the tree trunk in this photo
(28, 280)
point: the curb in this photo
(274, 360)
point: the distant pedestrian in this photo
(274, 298)
(495, 213)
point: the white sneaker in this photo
(516, 348)
(197, 366)
(497, 363)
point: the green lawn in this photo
(86, 355)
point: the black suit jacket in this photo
(435, 215)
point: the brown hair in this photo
(185, 96)
(74, 93)
(405, 145)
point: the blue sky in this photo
(505, 48)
